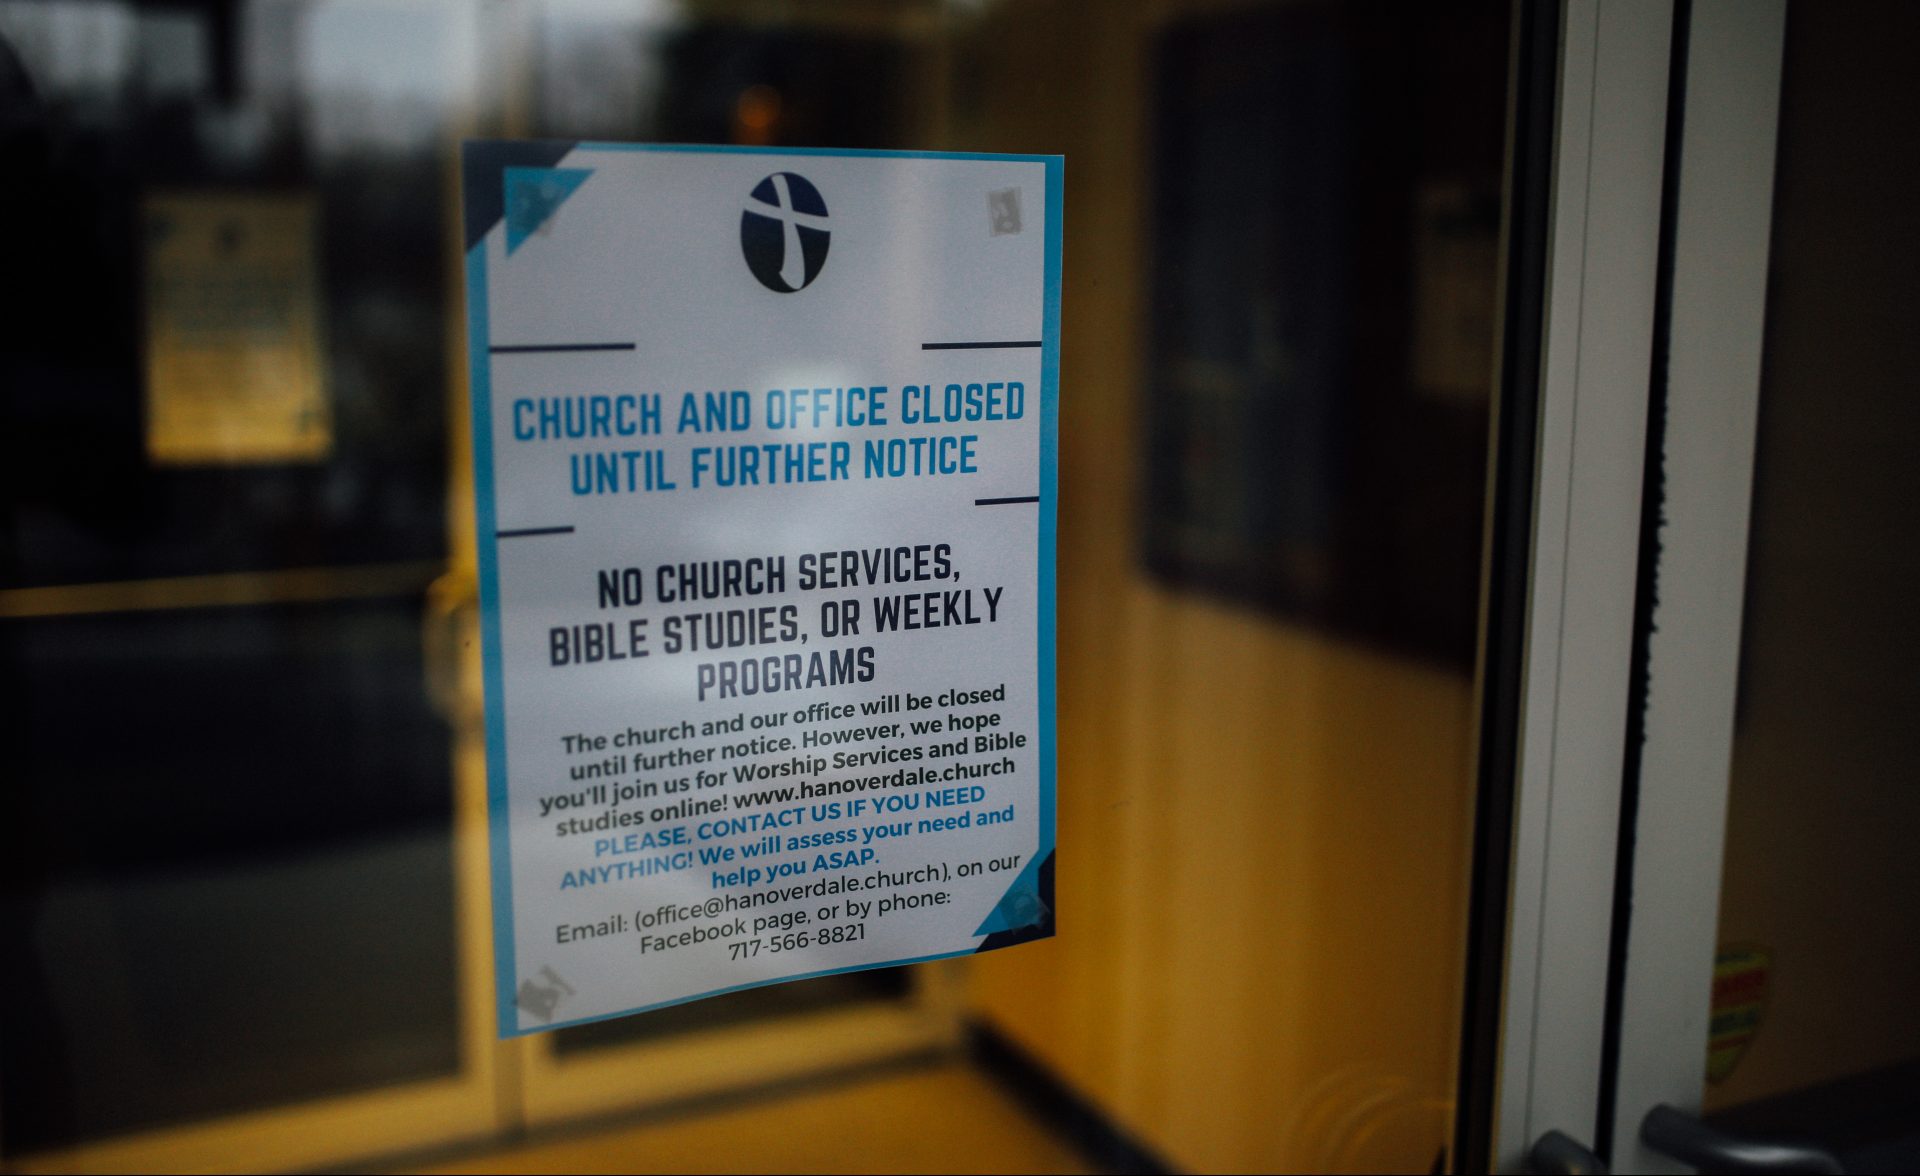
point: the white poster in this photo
(765, 475)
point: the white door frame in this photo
(1596, 356)
(1604, 312)
(1722, 225)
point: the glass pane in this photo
(1282, 234)
(1816, 1030)
(228, 871)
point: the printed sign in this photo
(765, 459)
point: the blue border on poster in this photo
(479, 360)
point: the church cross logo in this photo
(783, 232)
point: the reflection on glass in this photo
(228, 863)
(1323, 316)
(228, 881)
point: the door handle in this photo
(1558, 1154)
(1675, 1133)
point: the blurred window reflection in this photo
(229, 873)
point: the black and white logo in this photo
(783, 232)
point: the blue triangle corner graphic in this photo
(1019, 907)
(532, 195)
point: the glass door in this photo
(1328, 298)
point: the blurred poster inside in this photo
(234, 367)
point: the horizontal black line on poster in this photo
(988, 346)
(536, 348)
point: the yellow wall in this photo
(1264, 830)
